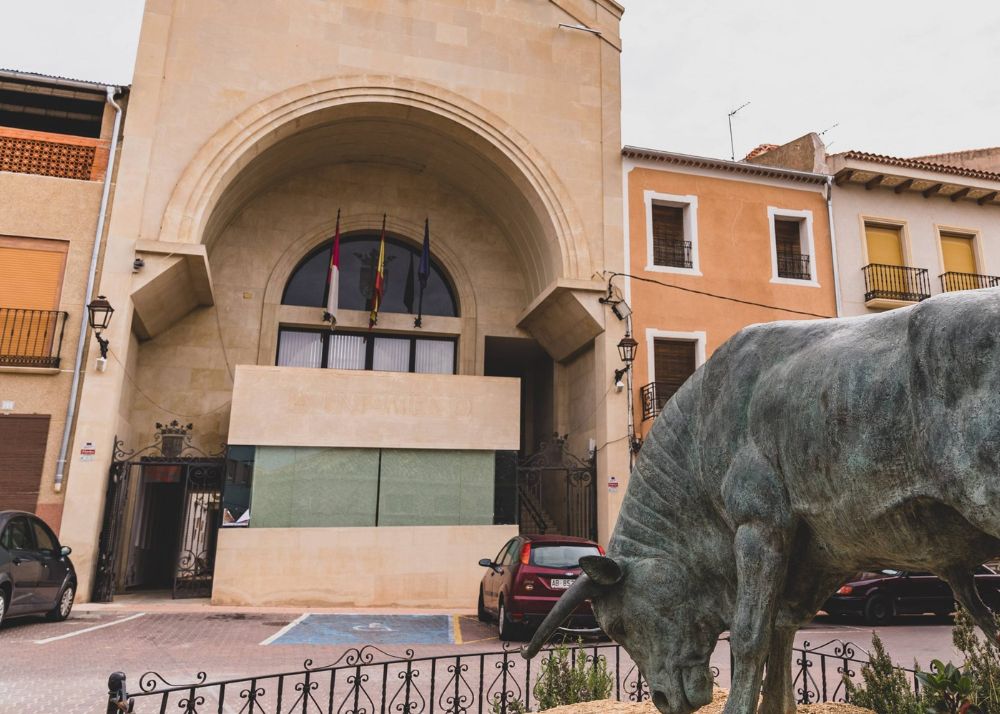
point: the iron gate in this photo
(197, 479)
(557, 492)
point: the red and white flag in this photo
(333, 278)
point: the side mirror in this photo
(486, 563)
(65, 551)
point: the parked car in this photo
(527, 577)
(36, 575)
(879, 596)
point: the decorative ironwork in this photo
(654, 397)
(47, 158)
(952, 281)
(794, 266)
(31, 338)
(557, 492)
(896, 282)
(370, 681)
(672, 253)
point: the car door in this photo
(53, 566)
(25, 568)
(491, 588)
(506, 576)
(922, 592)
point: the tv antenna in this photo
(834, 126)
(732, 148)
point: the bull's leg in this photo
(778, 696)
(963, 584)
(760, 566)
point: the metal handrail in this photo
(896, 282)
(654, 396)
(952, 281)
(672, 253)
(31, 338)
(794, 266)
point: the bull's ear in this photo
(602, 570)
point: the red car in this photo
(527, 577)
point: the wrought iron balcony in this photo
(888, 284)
(794, 266)
(672, 253)
(952, 281)
(31, 338)
(654, 395)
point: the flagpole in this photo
(424, 272)
(379, 286)
(333, 279)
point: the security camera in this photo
(137, 264)
(619, 385)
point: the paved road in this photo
(63, 667)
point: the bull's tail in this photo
(963, 584)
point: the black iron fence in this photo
(672, 253)
(31, 338)
(952, 281)
(654, 395)
(794, 266)
(896, 282)
(369, 681)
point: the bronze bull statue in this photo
(799, 454)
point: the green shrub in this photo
(885, 689)
(570, 680)
(947, 690)
(982, 662)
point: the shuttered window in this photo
(670, 246)
(22, 454)
(674, 362)
(958, 253)
(788, 237)
(31, 272)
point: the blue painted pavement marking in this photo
(318, 629)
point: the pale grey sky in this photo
(901, 77)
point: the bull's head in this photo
(649, 609)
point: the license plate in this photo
(558, 584)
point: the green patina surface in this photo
(318, 487)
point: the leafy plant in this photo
(571, 677)
(982, 662)
(947, 689)
(885, 688)
(514, 706)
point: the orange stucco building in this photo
(713, 246)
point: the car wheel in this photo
(878, 610)
(64, 605)
(481, 607)
(506, 630)
(3, 604)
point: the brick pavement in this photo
(65, 676)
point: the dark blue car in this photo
(36, 575)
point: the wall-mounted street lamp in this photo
(626, 349)
(99, 313)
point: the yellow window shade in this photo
(885, 245)
(31, 278)
(958, 253)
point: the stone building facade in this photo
(250, 127)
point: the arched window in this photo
(358, 258)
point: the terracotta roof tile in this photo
(920, 164)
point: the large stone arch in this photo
(344, 119)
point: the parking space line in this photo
(456, 630)
(88, 629)
(286, 628)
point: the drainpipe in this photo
(833, 244)
(82, 341)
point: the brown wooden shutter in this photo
(22, 454)
(787, 237)
(31, 272)
(668, 237)
(674, 362)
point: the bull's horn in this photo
(601, 569)
(582, 589)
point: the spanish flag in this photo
(379, 280)
(333, 278)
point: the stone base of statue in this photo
(610, 706)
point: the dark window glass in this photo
(511, 554)
(44, 540)
(560, 556)
(17, 535)
(369, 351)
(503, 551)
(358, 259)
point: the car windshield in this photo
(560, 556)
(890, 572)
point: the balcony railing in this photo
(47, 154)
(895, 282)
(950, 282)
(794, 266)
(654, 395)
(672, 253)
(31, 338)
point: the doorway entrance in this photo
(160, 526)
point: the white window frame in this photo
(699, 338)
(805, 218)
(690, 206)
